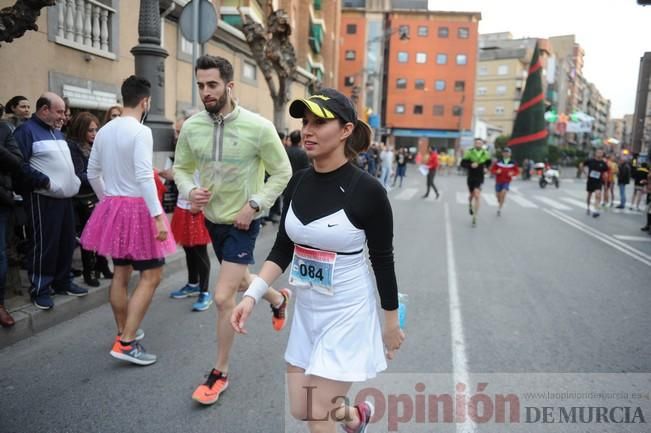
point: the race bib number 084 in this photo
(313, 269)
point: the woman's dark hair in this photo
(224, 67)
(135, 89)
(359, 140)
(13, 103)
(79, 127)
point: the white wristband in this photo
(257, 289)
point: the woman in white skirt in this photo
(332, 210)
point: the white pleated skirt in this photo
(338, 337)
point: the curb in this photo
(31, 320)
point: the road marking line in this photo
(521, 201)
(553, 203)
(578, 203)
(459, 360)
(491, 200)
(407, 194)
(610, 238)
(633, 238)
(600, 236)
(577, 194)
(624, 211)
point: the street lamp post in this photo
(150, 64)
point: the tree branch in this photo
(17, 19)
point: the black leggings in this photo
(196, 258)
(430, 181)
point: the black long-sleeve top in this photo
(314, 195)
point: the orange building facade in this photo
(423, 84)
(430, 81)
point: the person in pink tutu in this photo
(128, 224)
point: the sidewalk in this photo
(31, 320)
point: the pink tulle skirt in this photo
(121, 227)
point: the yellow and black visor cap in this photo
(327, 104)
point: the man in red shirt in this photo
(432, 165)
(504, 170)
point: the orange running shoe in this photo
(279, 315)
(208, 393)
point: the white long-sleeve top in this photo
(120, 162)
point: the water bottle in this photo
(402, 309)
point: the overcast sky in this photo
(613, 33)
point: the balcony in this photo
(85, 25)
(316, 35)
(231, 15)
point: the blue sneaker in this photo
(185, 291)
(203, 303)
(73, 290)
(43, 301)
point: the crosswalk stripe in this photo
(575, 202)
(407, 194)
(633, 238)
(577, 194)
(553, 203)
(624, 211)
(489, 199)
(522, 201)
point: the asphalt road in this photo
(541, 289)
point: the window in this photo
(462, 59)
(439, 85)
(438, 110)
(421, 58)
(403, 30)
(350, 55)
(441, 59)
(351, 29)
(419, 84)
(502, 69)
(499, 110)
(401, 83)
(481, 91)
(423, 30)
(483, 70)
(443, 32)
(249, 71)
(403, 57)
(459, 86)
(463, 32)
(501, 89)
(481, 110)
(457, 110)
(400, 108)
(349, 81)
(418, 109)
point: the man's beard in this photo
(219, 104)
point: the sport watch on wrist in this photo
(255, 205)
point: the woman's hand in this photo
(393, 338)
(241, 314)
(161, 229)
